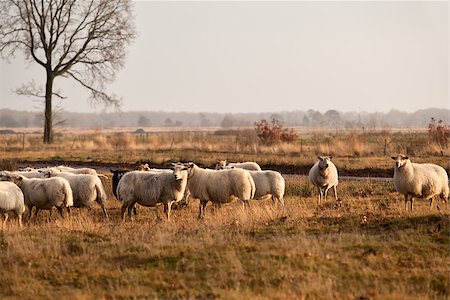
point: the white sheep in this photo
(219, 186)
(11, 199)
(80, 171)
(86, 188)
(150, 188)
(29, 174)
(249, 165)
(42, 193)
(324, 175)
(419, 180)
(269, 183)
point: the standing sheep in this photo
(419, 180)
(42, 193)
(269, 183)
(151, 188)
(79, 171)
(11, 199)
(324, 176)
(86, 189)
(249, 165)
(219, 186)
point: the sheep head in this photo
(324, 161)
(400, 160)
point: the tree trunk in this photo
(48, 123)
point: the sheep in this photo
(151, 188)
(86, 188)
(269, 182)
(29, 174)
(80, 171)
(42, 193)
(219, 186)
(324, 175)
(249, 165)
(11, 199)
(419, 180)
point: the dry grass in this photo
(368, 247)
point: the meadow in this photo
(365, 246)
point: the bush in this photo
(438, 134)
(273, 132)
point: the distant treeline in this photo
(310, 118)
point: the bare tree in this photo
(83, 40)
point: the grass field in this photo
(367, 248)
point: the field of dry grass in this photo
(366, 248)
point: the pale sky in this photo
(271, 56)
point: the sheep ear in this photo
(394, 157)
(330, 157)
(405, 157)
(319, 157)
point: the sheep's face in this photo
(4, 176)
(178, 170)
(144, 167)
(46, 173)
(400, 160)
(324, 162)
(221, 164)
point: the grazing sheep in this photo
(151, 188)
(249, 165)
(324, 176)
(221, 186)
(86, 188)
(42, 193)
(268, 183)
(117, 176)
(80, 171)
(29, 174)
(419, 180)
(11, 199)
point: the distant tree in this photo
(7, 120)
(204, 121)
(228, 121)
(83, 40)
(168, 122)
(143, 121)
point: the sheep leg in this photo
(5, 217)
(320, 194)
(130, 208)
(412, 201)
(30, 214)
(135, 210)
(406, 202)
(202, 207)
(335, 193)
(60, 210)
(167, 207)
(104, 210)
(124, 208)
(19, 217)
(431, 202)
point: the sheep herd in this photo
(64, 187)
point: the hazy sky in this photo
(272, 56)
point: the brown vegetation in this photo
(368, 247)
